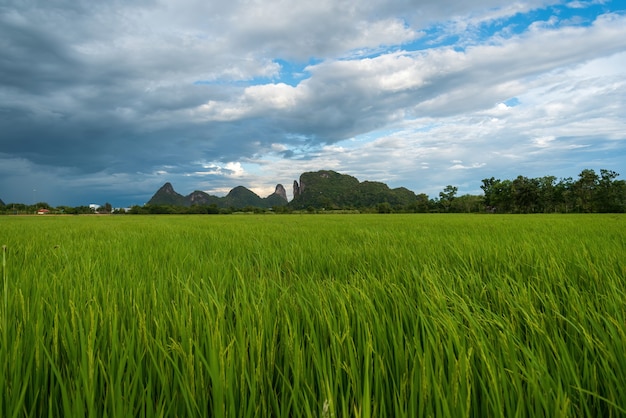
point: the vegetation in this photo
(330, 190)
(590, 193)
(323, 191)
(313, 316)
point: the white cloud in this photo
(440, 81)
(232, 169)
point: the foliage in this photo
(287, 316)
(446, 197)
(589, 193)
(240, 197)
(324, 191)
(331, 191)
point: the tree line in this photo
(589, 193)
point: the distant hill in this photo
(332, 190)
(323, 189)
(167, 196)
(1, 202)
(239, 197)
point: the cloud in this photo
(119, 97)
(343, 98)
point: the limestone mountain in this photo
(329, 189)
(166, 195)
(239, 197)
(280, 191)
(201, 198)
(325, 189)
(278, 198)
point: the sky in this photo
(107, 101)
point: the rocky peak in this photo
(280, 191)
(296, 189)
(166, 195)
(199, 197)
(167, 188)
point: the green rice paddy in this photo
(313, 316)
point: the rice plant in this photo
(314, 316)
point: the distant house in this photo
(43, 211)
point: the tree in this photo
(384, 207)
(447, 196)
(502, 198)
(607, 192)
(106, 208)
(467, 203)
(420, 205)
(584, 189)
(524, 192)
(563, 197)
(619, 188)
(546, 194)
(489, 191)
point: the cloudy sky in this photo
(106, 101)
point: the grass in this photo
(314, 316)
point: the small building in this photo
(43, 211)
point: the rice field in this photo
(313, 316)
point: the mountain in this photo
(325, 189)
(239, 197)
(2, 203)
(201, 198)
(332, 190)
(278, 198)
(167, 196)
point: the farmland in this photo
(313, 315)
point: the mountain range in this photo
(319, 189)
(239, 197)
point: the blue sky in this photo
(105, 102)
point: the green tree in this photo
(502, 199)
(525, 193)
(489, 191)
(619, 188)
(564, 195)
(420, 204)
(384, 207)
(106, 208)
(608, 193)
(446, 197)
(584, 189)
(546, 199)
(467, 203)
